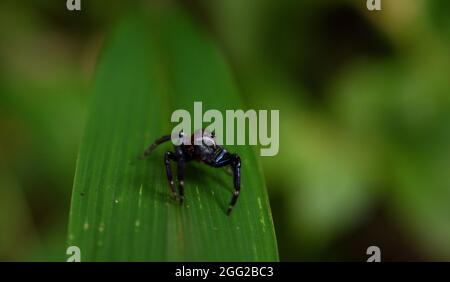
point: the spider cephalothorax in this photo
(204, 148)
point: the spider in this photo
(208, 152)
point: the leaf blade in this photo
(120, 206)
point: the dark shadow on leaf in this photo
(219, 180)
(207, 178)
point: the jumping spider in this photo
(208, 152)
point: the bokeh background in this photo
(364, 102)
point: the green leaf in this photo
(121, 209)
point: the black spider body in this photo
(203, 148)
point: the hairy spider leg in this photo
(181, 167)
(155, 144)
(236, 165)
(223, 159)
(168, 156)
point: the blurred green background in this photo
(364, 118)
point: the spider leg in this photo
(236, 166)
(167, 157)
(155, 144)
(234, 162)
(181, 167)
